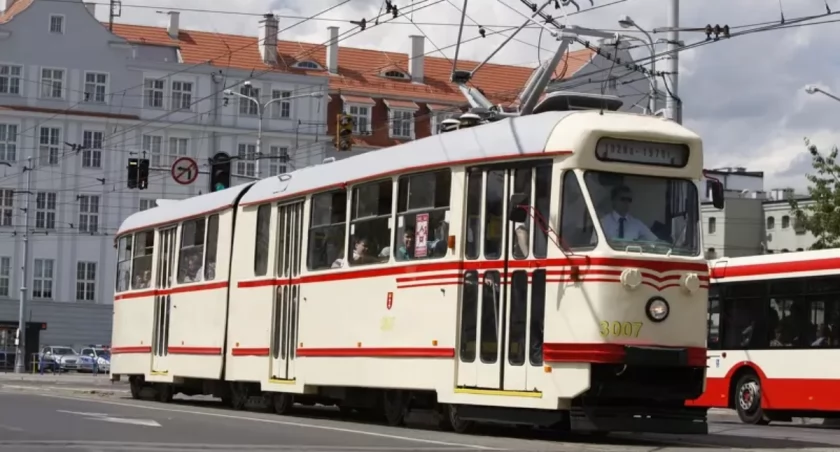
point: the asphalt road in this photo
(33, 420)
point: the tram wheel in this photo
(165, 392)
(748, 400)
(238, 396)
(451, 420)
(395, 407)
(136, 385)
(282, 402)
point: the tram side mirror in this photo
(717, 194)
(518, 208)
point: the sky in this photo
(744, 96)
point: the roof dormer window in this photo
(308, 64)
(393, 73)
(57, 24)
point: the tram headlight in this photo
(657, 309)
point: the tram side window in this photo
(576, 227)
(474, 181)
(370, 225)
(326, 230)
(423, 216)
(190, 268)
(494, 214)
(141, 270)
(212, 248)
(261, 240)
(124, 263)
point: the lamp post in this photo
(811, 89)
(628, 22)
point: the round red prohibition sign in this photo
(185, 170)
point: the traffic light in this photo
(344, 132)
(143, 174)
(133, 172)
(219, 172)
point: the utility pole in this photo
(673, 108)
(20, 356)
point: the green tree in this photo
(821, 216)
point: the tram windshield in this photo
(659, 215)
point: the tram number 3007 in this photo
(620, 329)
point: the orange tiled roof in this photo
(359, 69)
(13, 10)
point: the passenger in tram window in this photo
(619, 224)
(193, 270)
(405, 250)
(362, 253)
(823, 333)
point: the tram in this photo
(544, 270)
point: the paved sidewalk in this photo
(73, 378)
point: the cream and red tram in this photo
(468, 272)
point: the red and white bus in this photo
(774, 335)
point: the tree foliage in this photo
(821, 216)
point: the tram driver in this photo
(619, 224)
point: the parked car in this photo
(59, 357)
(94, 354)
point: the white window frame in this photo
(279, 159)
(354, 110)
(281, 109)
(89, 208)
(153, 93)
(247, 107)
(11, 76)
(438, 117)
(181, 98)
(246, 164)
(48, 84)
(45, 209)
(62, 23)
(146, 204)
(7, 207)
(91, 92)
(5, 277)
(153, 147)
(393, 114)
(8, 145)
(49, 150)
(86, 281)
(43, 279)
(92, 141)
(176, 147)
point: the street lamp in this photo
(811, 89)
(627, 22)
(262, 106)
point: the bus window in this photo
(141, 268)
(474, 180)
(212, 247)
(192, 251)
(261, 242)
(370, 226)
(328, 213)
(124, 263)
(423, 216)
(713, 319)
(576, 227)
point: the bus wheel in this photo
(451, 420)
(282, 402)
(748, 400)
(395, 407)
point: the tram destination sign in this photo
(642, 152)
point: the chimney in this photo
(268, 39)
(91, 7)
(415, 64)
(332, 51)
(174, 24)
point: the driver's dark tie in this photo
(621, 227)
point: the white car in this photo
(62, 357)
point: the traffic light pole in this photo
(20, 352)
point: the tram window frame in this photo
(191, 247)
(124, 258)
(148, 250)
(211, 247)
(327, 215)
(371, 208)
(262, 239)
(435, 204)
(570, 182)
(472, 229)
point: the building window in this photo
(437, 118)
(283, 108)
(45, 210)
(248, 107)
(5, 276)
(799, 227)
(8, 142)
(92, 149)
(56, 24)
(182, 95)
(96, 85)
(49, 140)
(177, 148)
(146, 204)
(52, 83)
(246, 164)
(711, 253)
(7, 207)
(152, 147)
(42, 279)
(785, 222)
(712, 225)
(88, 213)
(153, 93)
(10, 79)
(86, 281)
(402, 123)
(361, 117)
(279, 159)
(771, 223)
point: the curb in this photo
(76, 390)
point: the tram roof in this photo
(526, 136)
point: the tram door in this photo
(284, 329)
(503, 299)
(163, 303)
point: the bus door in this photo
(284, 323)
(163, 303)
(500, 307)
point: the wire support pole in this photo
(20, 356)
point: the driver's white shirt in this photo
(634, 229)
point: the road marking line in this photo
(105, 417)
(9, 427)
(272, 421)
